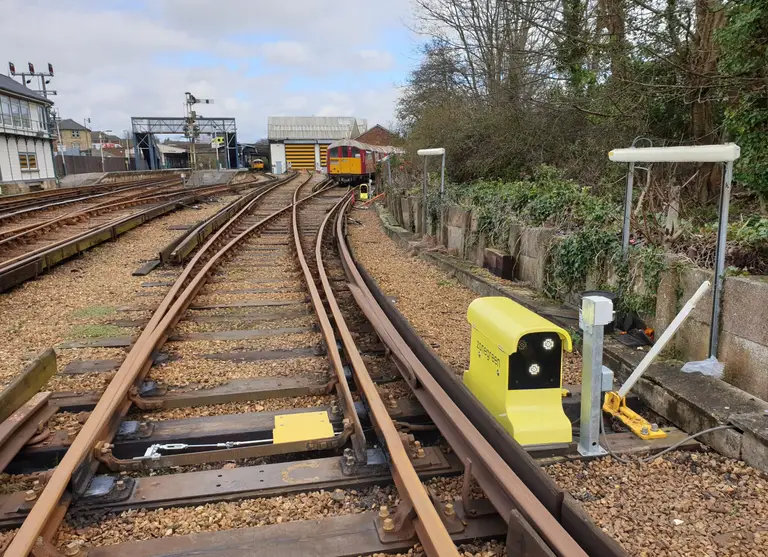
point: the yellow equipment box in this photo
(515, 370)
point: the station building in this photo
(303, 141)
(26, 139)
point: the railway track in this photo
(275, 300)
(32, 214)
(37, 244)
(19, 205)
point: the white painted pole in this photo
(665, 338)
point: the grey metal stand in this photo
(596, 312)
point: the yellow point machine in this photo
(515, 370)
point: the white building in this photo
(303, 141)
(26, 143)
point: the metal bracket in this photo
(472, 507)
(108, 489)
(324, 389)
(397, 527)
(453, 524)
(142, 403)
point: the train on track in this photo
(352, 162)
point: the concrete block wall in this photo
(743, 345)
(456, 227)
(406, 214)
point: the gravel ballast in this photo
(680, 504)
(100, 528)
(83, 291)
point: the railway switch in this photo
(515, 370)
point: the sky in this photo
(255, 58)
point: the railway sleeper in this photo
(134, 436)
(116, 493)
(234, 450)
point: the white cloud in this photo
(376, 60)
(118, 60)
(291, 53)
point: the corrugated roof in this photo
(70, 124)
(386, 149)
(313, 127)
(10, 85)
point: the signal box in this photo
(515, 370)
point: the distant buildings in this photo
(379, 135)
(303, 141)
(75, 137)
(26, 139)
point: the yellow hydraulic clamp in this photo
(515, 370)
(616, 406)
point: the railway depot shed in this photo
(303, 141)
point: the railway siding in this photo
(637, 504)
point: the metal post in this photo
(61, 144)
(101, 148)
(442, 177)
(596, 312)
(136, 150)
(424, 209)
(627, 210)
(389, 171)
(722, 233)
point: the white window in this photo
(16, 112)
(75, 133)
(26, 120)
(5, 111)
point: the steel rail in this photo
(46, 513)
(18, 232)
(505, 490)
(9, 265)
(429, 527)
(30, 210)
(62, 196)
(342, 388)
(109, 206)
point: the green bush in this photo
(544, 199)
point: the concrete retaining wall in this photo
(744, 331)
(743, 345)
(129, 176)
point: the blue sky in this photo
(255, 58)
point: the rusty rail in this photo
(29, 209)
(79, 464)
(342, 388)
(530, 523)
(430, 529)
(50, 198)
(17, 270)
